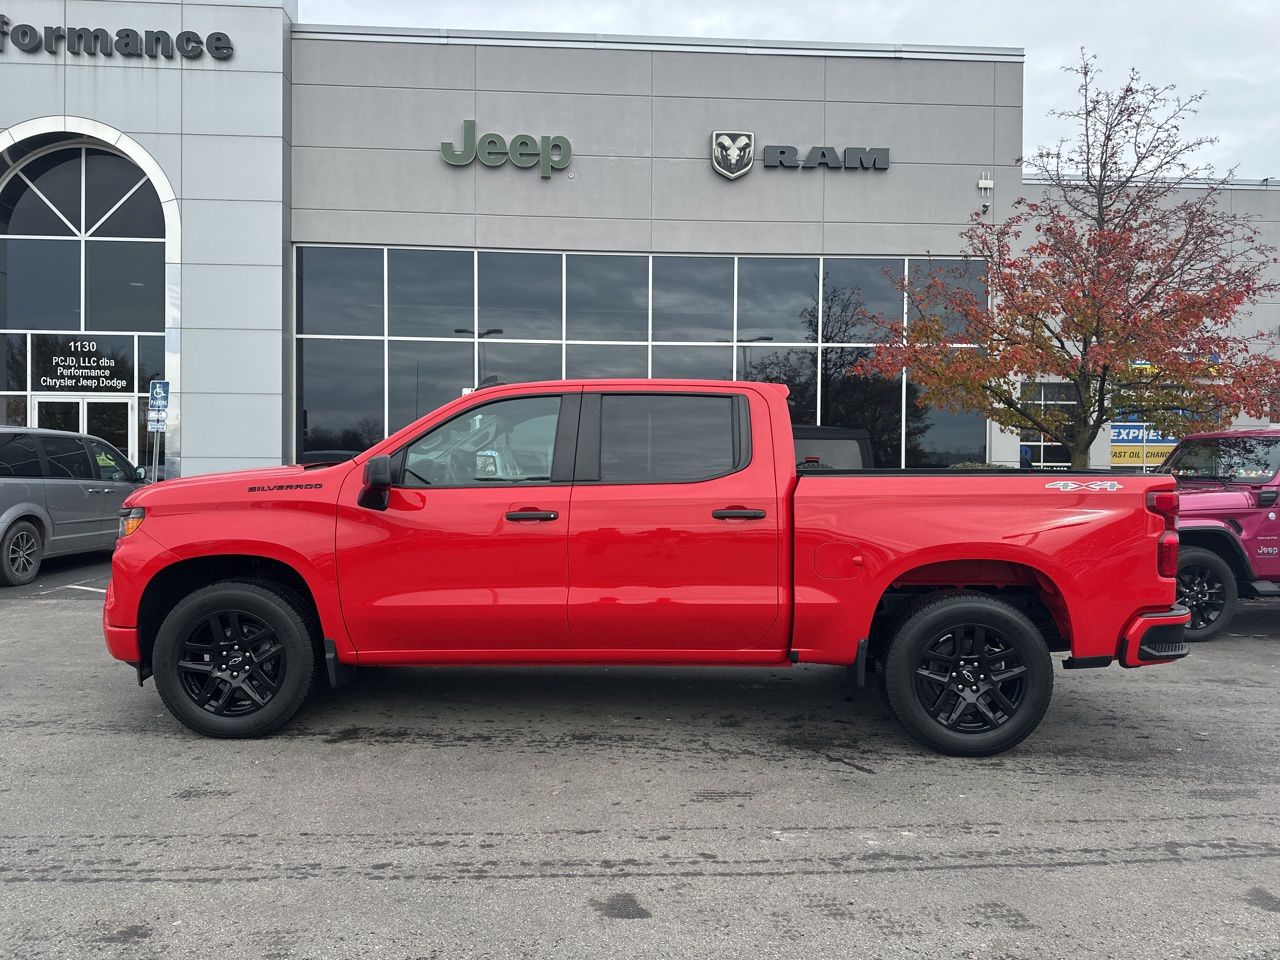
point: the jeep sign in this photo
(492, 150)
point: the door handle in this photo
(737, 513)
(541, 516)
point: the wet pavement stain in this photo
(621, 906)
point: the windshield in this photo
(1247, 459)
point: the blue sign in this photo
(158, 397)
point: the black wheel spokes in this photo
(22, 553)
(1202, 592)
(970, 679)
(232, 664)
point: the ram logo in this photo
(1095, 485)
(732, 152)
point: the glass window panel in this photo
(150, 361)
(124, 285)
(950, 276)
(947, 438)
(778, 299)
(606, 297)
(13, 361)
(340, 396)
(519, 295)
(139, 216)
(340, 291)
(57, 176)
(23, 212)
(82, 363)
(589, 360)
(693, 363)
(854, 292)
(430, 293)
(58, 415)
(40, 284)
(18, 455)
(509, 441)
(107, 178)
(15, 411)
(425, 375)
(796, 367)
(67, 457)
(108, 420)
(693, 298)
(873, 404)
(665, 439)
(518, 362)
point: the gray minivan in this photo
(60, 493)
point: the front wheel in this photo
(1206, 587)
(968, 675)
(234, 659)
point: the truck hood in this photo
(235, 484)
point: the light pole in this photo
(491, 332)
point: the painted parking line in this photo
(76, 586)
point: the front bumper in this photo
(1154, 638)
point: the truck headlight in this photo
(130, 520)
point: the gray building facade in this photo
(318, 233)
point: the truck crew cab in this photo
(640, 522)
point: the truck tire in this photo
(1206, 587)
(234, 659)
(21, 550)
(968, 675)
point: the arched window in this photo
(81, 243)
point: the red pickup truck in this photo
(640, 522)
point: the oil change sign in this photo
(1137, 445)
(81, 363)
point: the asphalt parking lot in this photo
(597, 813)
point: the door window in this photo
(18, 456)
(110, 464)
(67, 458)
(505, 442)
(662, 438)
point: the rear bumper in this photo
(1154, 638)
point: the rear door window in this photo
(68, 459)
(18, 456)
(668, 438)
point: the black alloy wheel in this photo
(968, 674)
(22, 552)
(1206, 587)
(970, 679)
(232, 664)
(236, 658)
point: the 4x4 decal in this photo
(1109, 485)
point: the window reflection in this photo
(423, 376)
(341, 395)
(692, 298)
(777, 298)
(938, 287)
(797, 367)
(606, 297)
(873, 404)
(13, 361)
(124, 285)
(519, 295)
(948, 439)
(340, 291)
(590, 360)
(854, 294)
(693, 363)
(518, 362)
(40, 284)
(430, 293)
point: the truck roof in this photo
(644, 382)
(1239, 432)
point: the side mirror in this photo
(376, 493)
(1268, 497)
(141, 474)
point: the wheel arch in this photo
(32, 512)
(1221, 541)
(180, 579)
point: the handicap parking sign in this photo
(158, 398)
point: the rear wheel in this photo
(234, 659)
(1206, 587)
(968, 674)
(21, 550)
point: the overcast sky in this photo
(1225, 47)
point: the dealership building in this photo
(318, 233)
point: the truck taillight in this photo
(1167, 554)
(1165, 503)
